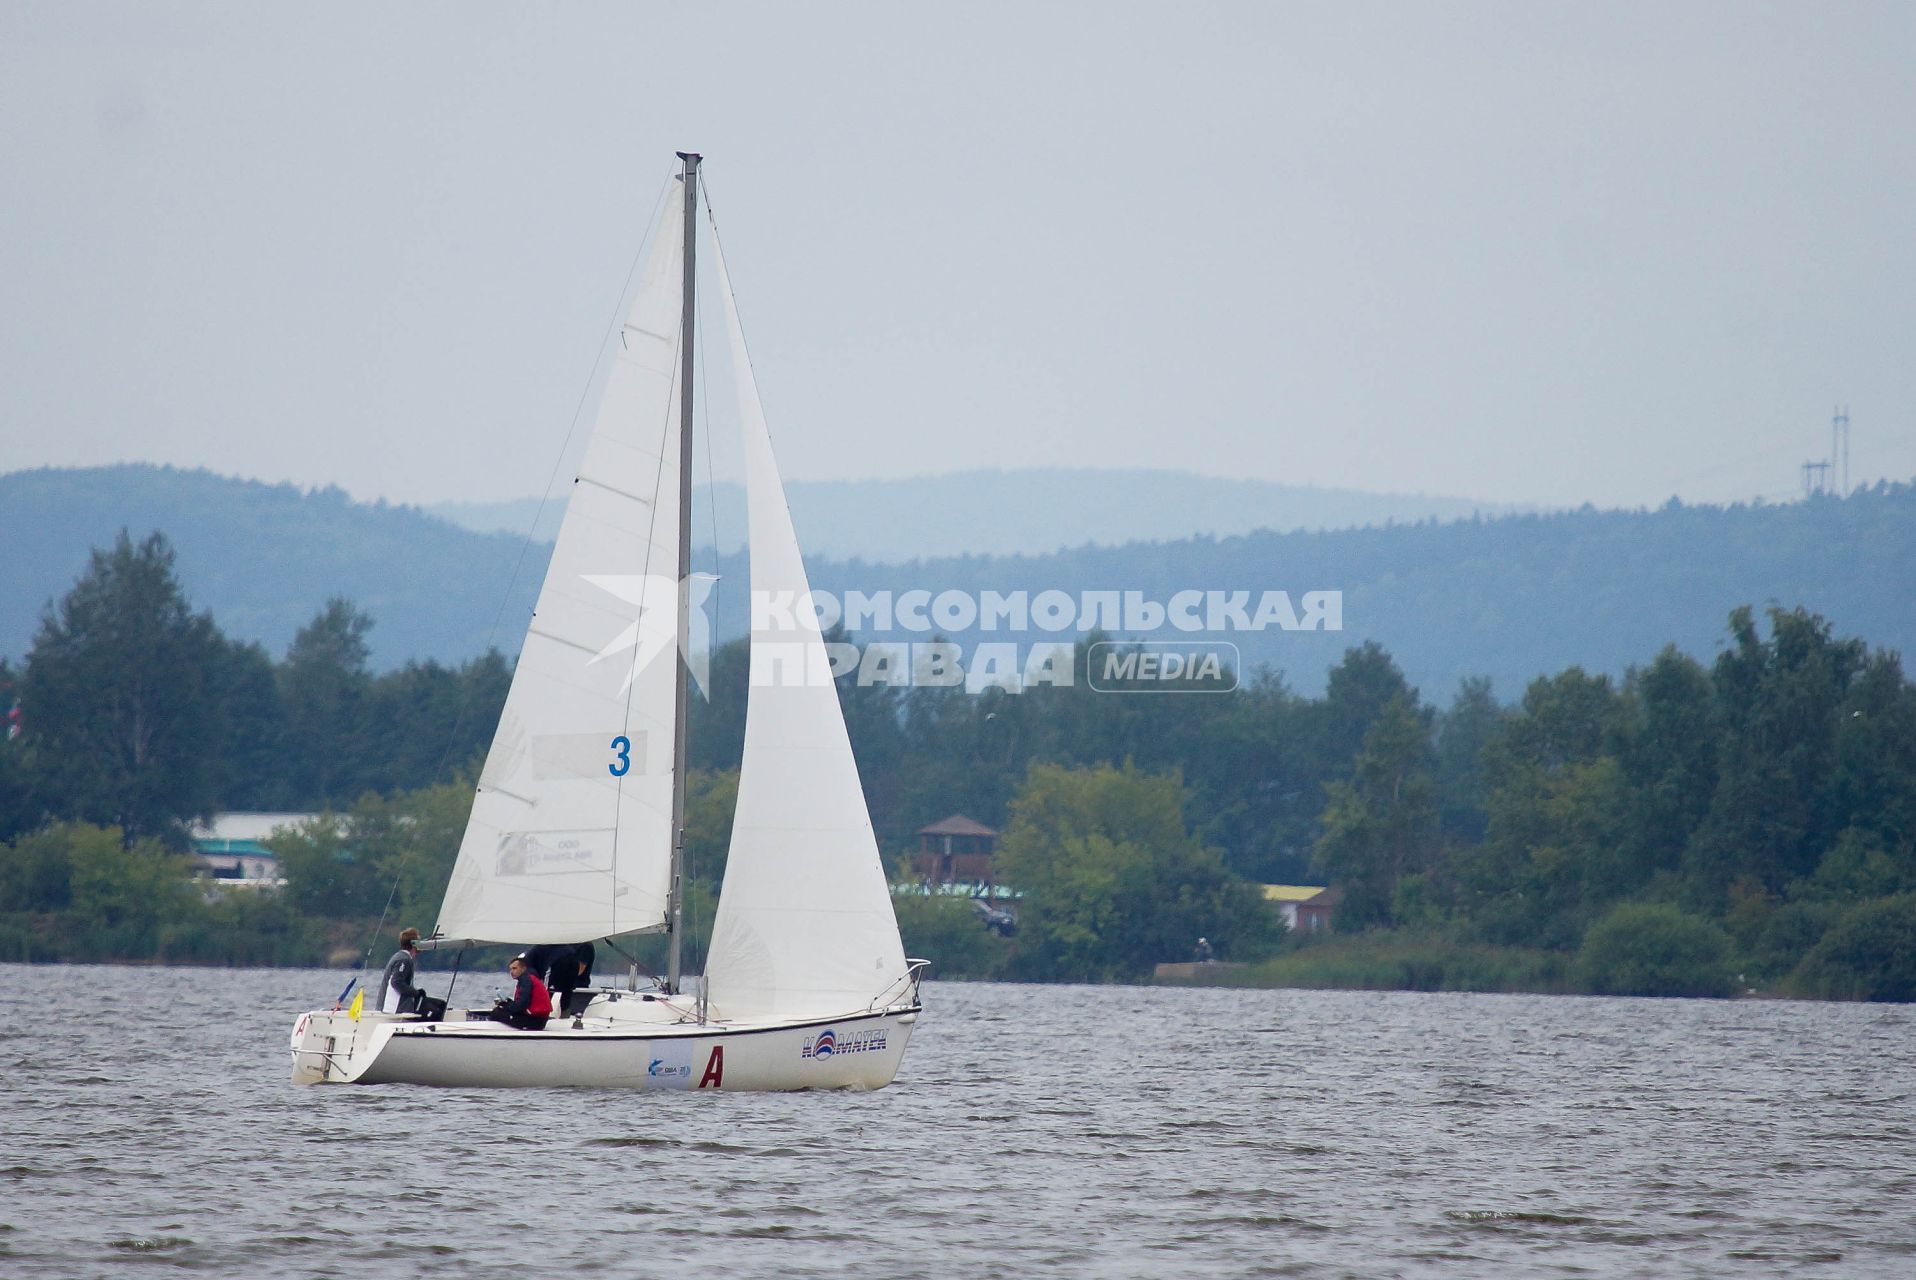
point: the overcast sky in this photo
(1530, 253)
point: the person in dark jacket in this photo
(531, 1003)
(396, 983)
(543, 958)
(571, 969)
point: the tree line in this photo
(1688, 828)
(136, 712)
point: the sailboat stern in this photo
(330, 1046)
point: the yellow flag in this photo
(359, 998)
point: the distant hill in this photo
(1003, 513)
(265, 558)
(1510, 597)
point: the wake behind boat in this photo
(577, 826)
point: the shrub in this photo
(1869, 954)
(1409, 961)
(1653, 949)
(950, 933)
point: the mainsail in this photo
(805, 925)
(571, 831)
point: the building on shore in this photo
(1305, 908)
(230, 851)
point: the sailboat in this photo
(578, 821)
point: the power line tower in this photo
(1839, 449)
(1816, 479)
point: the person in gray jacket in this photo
(396, 984)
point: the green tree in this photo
(389, 855)
(1462, 734)
(1773, 936)
(1778, 700)
(249, 760)
(1549, 860)
(326, 878)
(1359, 691)
(324, 685)
(415, 723)
(18, 812)
(1870, 954)
(124, 714)
(710, 799)
(123, 898)
(1113, 882)
(1872, 787)
(1381, 825)
(1256, 782)
(1861, 864)
(1667, 743)
(1653, 949)
(410, 841)
(36, 872)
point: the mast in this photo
(688, 322)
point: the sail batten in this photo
(570, 837)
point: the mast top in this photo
(690, 157)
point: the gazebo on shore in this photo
(956, 850)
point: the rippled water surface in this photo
(149, 1127)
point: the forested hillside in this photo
(1510, 598)
(1514, 597)
(265, 558)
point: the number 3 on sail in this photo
(566, 845)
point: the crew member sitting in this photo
(531, 1003)
(397, 994)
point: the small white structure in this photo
(231, 848)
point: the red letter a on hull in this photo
(714, 1077)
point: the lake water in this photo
(149, 1128)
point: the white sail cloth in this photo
(571, 831)
(805, 925)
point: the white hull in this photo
(861, 1051)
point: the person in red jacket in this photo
(531, 1003)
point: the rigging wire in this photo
(718, 245)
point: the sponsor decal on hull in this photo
(669, 1066)
(830, 1044)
